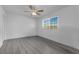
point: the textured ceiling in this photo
(19, 9)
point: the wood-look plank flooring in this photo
(30, 45)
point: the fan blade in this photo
(37, 13)
(40, 10)
(31, 7)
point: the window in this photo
(50, 23)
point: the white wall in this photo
(2, 14)
(69, 29)
(19, 26)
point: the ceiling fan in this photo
(34, 11)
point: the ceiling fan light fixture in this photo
(34, 13)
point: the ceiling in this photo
(19, 9)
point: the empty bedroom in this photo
(39, 29)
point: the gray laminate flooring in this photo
(30, 45)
